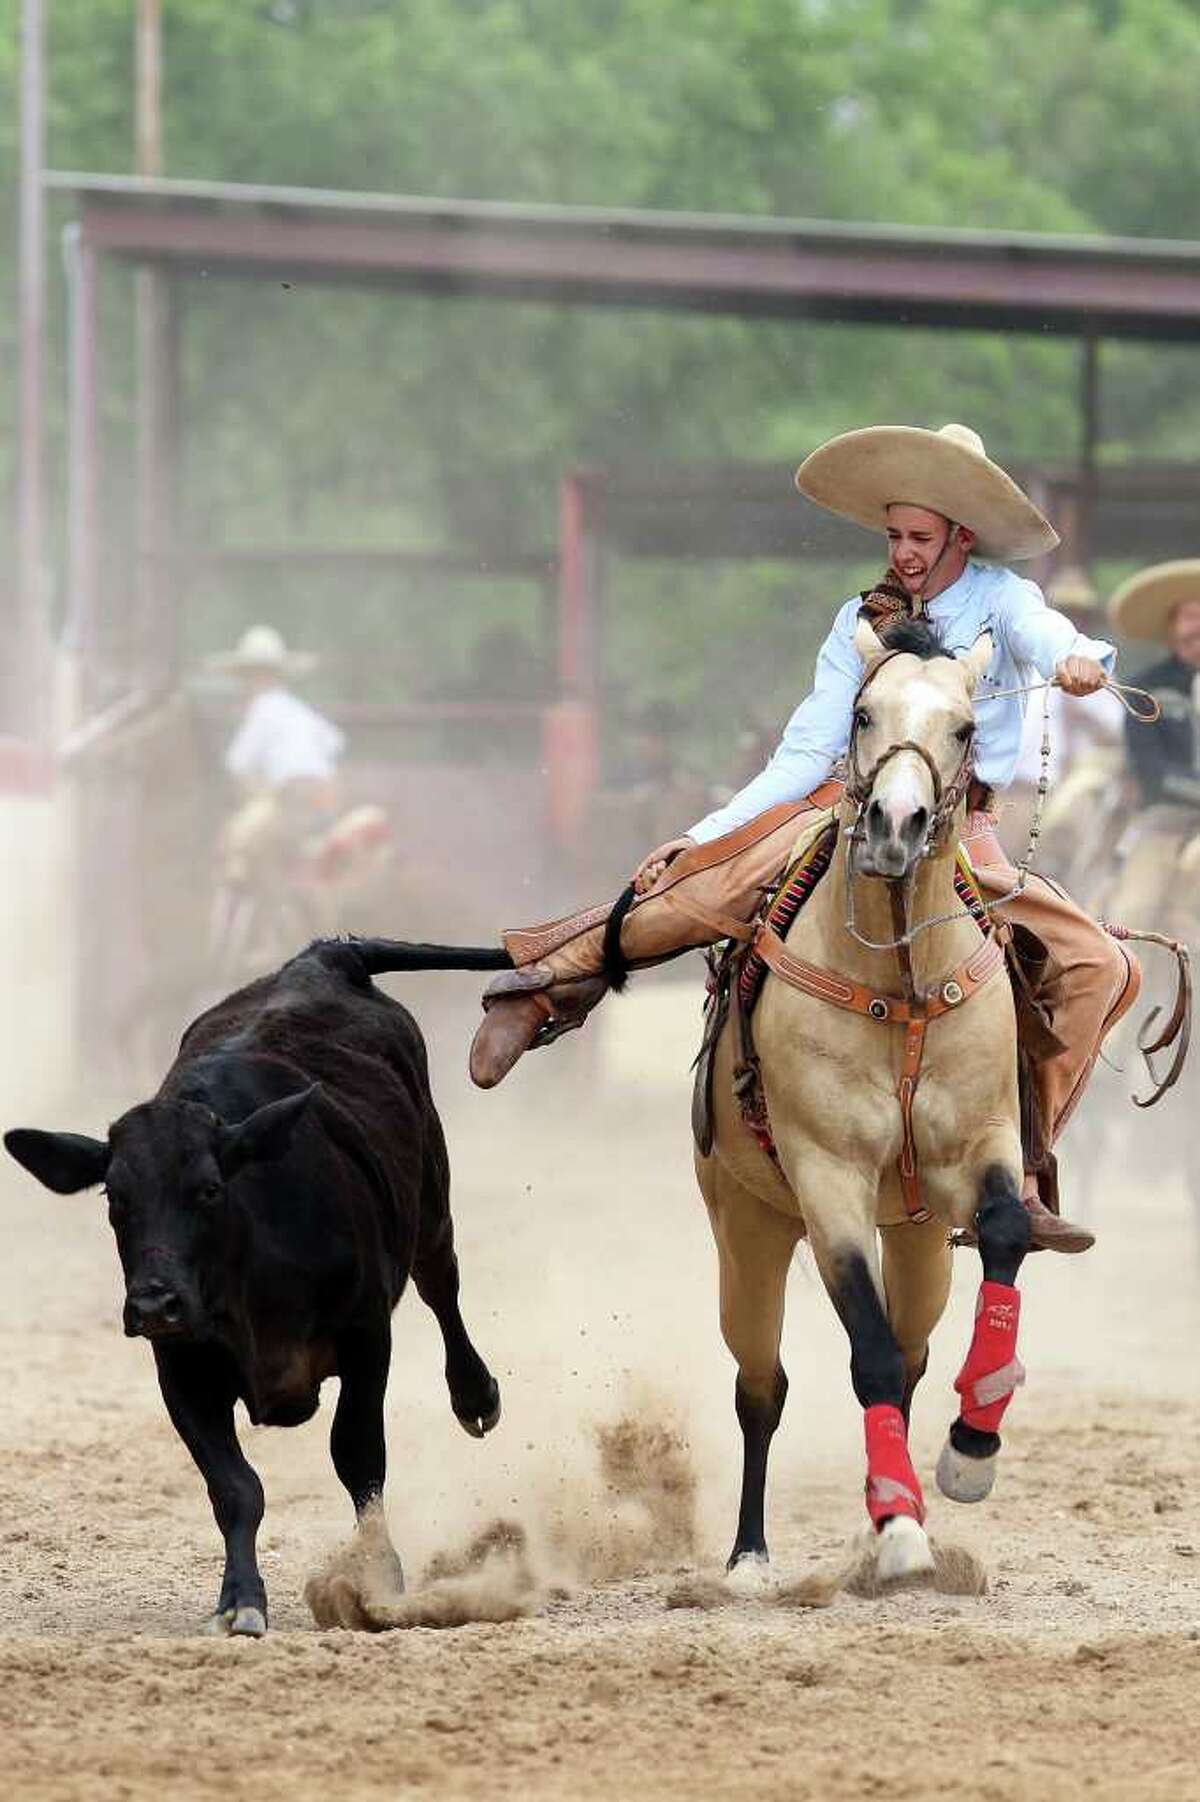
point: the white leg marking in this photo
(904, 1552)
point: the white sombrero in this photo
(1142, 606)
(861, 474)
(263, 648)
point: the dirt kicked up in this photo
(582, 1542)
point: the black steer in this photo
(269, 1205)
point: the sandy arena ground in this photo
(589, 1283)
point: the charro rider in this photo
(283, 756)
(942, 505)
(1162, 604)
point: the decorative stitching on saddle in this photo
(781, 905)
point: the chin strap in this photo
(951, 529)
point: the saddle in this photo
(738, 970)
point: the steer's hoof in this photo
(479, 1424)
(903, 1553)
(965, 1479)
(749, 1574)
(249, 1623)
(246, 1622)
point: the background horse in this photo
(840, 1033)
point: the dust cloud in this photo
(634, 1515)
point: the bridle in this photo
(860, 784)
(947, 798)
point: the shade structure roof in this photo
(758, 267)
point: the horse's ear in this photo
(867, 641)
(976, 660)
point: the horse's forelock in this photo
(916, 636)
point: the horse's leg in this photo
(966, 1469)
(917, 1265)
(755, 1243)
(844, 1241)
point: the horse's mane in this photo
(916, 636)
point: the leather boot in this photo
(554, 990)
(524, 1008)
(1050, 1231)
(707, 893)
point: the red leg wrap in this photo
(992, 1370)
(892, 1485)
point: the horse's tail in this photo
(379, 956)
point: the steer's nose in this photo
(152, 1309)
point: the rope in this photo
(1145, 717)
(1148, 716)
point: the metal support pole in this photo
(81, 629)
(570, 736)
(1089, 382)
(575, 624)
(26, 681)
(148, 98)
(148, 649)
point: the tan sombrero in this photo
(861, 474)
(1142, 607)
(262, 648)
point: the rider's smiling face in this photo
(916, 541)
(1183, 632)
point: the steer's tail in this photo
(378, 956)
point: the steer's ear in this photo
(65, 1162)
(976, 660)
(264, 1134)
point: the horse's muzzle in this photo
(889, 848)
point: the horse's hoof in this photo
(965, 1479)
(218, 1625)
(248, 1623)
(749, 1574)
(483, 1422)
(903, 1552)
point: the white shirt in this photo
(282, 739)
(1030, 638)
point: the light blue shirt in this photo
(1030, 639)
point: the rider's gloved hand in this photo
(1080, 675)
(653, 865)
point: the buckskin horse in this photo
(886, 1042)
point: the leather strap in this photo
(890, 1010)
(906, 1091)
(857, 998)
